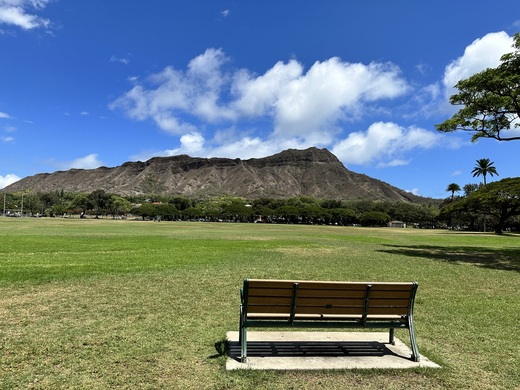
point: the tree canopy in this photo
(500, 200)
(491, 101)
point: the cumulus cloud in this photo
(228, 145)
(166, 96)
(481, 54)
(19, 13)
(308, 105)
(4, 115)
(7, 139)
(90, 161)
(383, 143)
(8, 180)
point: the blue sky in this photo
(91, 83)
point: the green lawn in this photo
(130, 304)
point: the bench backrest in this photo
(327, 298)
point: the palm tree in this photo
(453, 187)
(483, 167)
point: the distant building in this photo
(397, 224)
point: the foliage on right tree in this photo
(500, 199)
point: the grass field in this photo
(97, 304)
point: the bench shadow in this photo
(505, 259)
(310, 349)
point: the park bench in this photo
(315, 304)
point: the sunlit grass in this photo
(132, 304)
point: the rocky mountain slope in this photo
(311, 172)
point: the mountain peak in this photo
(290, 173)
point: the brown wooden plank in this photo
(277, 282)
(392, 286)
(389, 294)
(331, 293)
(268, 309)
(315, 301)
(331, 310)
(377, 302)
(270, 283)
(270, 292)
(269, 300)
(331, 286)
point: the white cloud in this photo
(14, 12)
(8, 180)
(172, 93)
(191, 144)
(84, 113)
(90, 161)
(383, 143)
(228, 145)
(304, 105)
(481, 54)
(7, 139)
(414, 191)
(225, 13)
(122, 60)
(4, 115)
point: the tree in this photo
(289, 213)
(32, 203)
(237, 212)
(453, 187)
(501, 199)
(146, 210)
(484, 166)
(99, 200)
(491, 101)
(81, 201)
(118, 205)
(374, 218)
(470, 188)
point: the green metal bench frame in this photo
(317, 304)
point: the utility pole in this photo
(4, 203)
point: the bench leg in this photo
(391, 336)
(243, 344)
(413, 341)
(242, 338)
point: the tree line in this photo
(495, 205)
(301, 209)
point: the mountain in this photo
(310, 172)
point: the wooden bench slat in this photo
(330, 301)
(382, 302)
(270, 292)
(335, 293)
(329, 310)
(269, 309)
(274, 283)
(269, 301)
